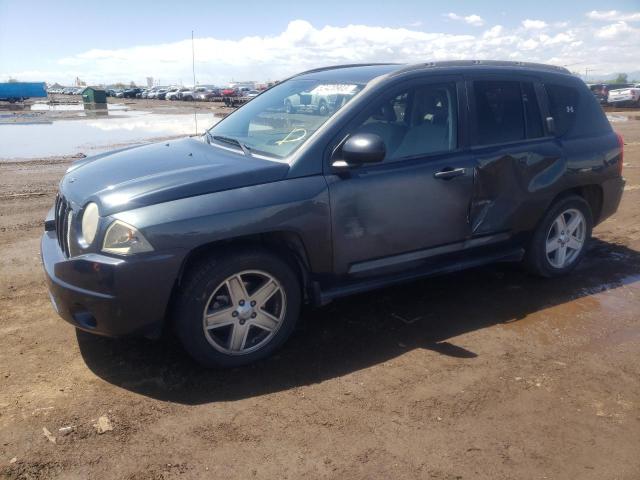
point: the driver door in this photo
(415, 204)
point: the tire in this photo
(209, 296)
(544, 256)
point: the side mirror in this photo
(551, 124)
(361, 148)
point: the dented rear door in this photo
(514, 178)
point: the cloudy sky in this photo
(103, 42)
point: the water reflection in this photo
(62, 107)
(100, 131)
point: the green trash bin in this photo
(94, 95)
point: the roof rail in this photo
(348, 65)
(484, 63)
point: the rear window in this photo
(575, 110)
(563, 105)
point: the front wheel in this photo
(560, 241)
(237, 309)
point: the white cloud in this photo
(615, 30)
(473, 19)
(534, 24)
(610, 15)
(493, 32)
(604, 48)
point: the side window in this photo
(533, 117)
(563, 105)
(499, 112)
(419, 121)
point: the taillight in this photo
(621, 145)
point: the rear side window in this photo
(499, 112)
(563, 105)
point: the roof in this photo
(363, 73)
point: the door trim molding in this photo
(394, 260)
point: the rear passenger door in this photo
(390, 215)
(518, 161)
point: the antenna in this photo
(193, 69)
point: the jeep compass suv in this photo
(415, 170)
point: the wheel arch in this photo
(591, 193)
(286, 244)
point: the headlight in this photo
(90, 218)
(123, 239)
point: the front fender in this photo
(298, 205)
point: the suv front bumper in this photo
(107, 295)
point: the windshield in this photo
(280, 120)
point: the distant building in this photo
(149, 82)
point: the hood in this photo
(160, 172)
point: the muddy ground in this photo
(486, 374)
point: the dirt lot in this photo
(487, 374)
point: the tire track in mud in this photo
(25, 195)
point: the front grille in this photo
(63, 223)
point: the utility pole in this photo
(193, 69)
(586, 73)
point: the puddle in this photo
(77, 107)
(95, 135)
(47, 112)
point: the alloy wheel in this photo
(244, 312)
(566, 238)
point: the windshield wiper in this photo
(232, 141)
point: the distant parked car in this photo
(176, 93)
(322, 99)
(194, 93)
(190, 94)
(252, 93)
(153, 93)
(230, 92)
(601, 90)
(161, 95)
(131, 92)
(208, 94)
(628, 96)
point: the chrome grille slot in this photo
(62, 223)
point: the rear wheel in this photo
(560, 241)
(237, 309)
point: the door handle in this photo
(448, 173)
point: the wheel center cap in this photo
(244, 311)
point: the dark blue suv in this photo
(408, 171)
